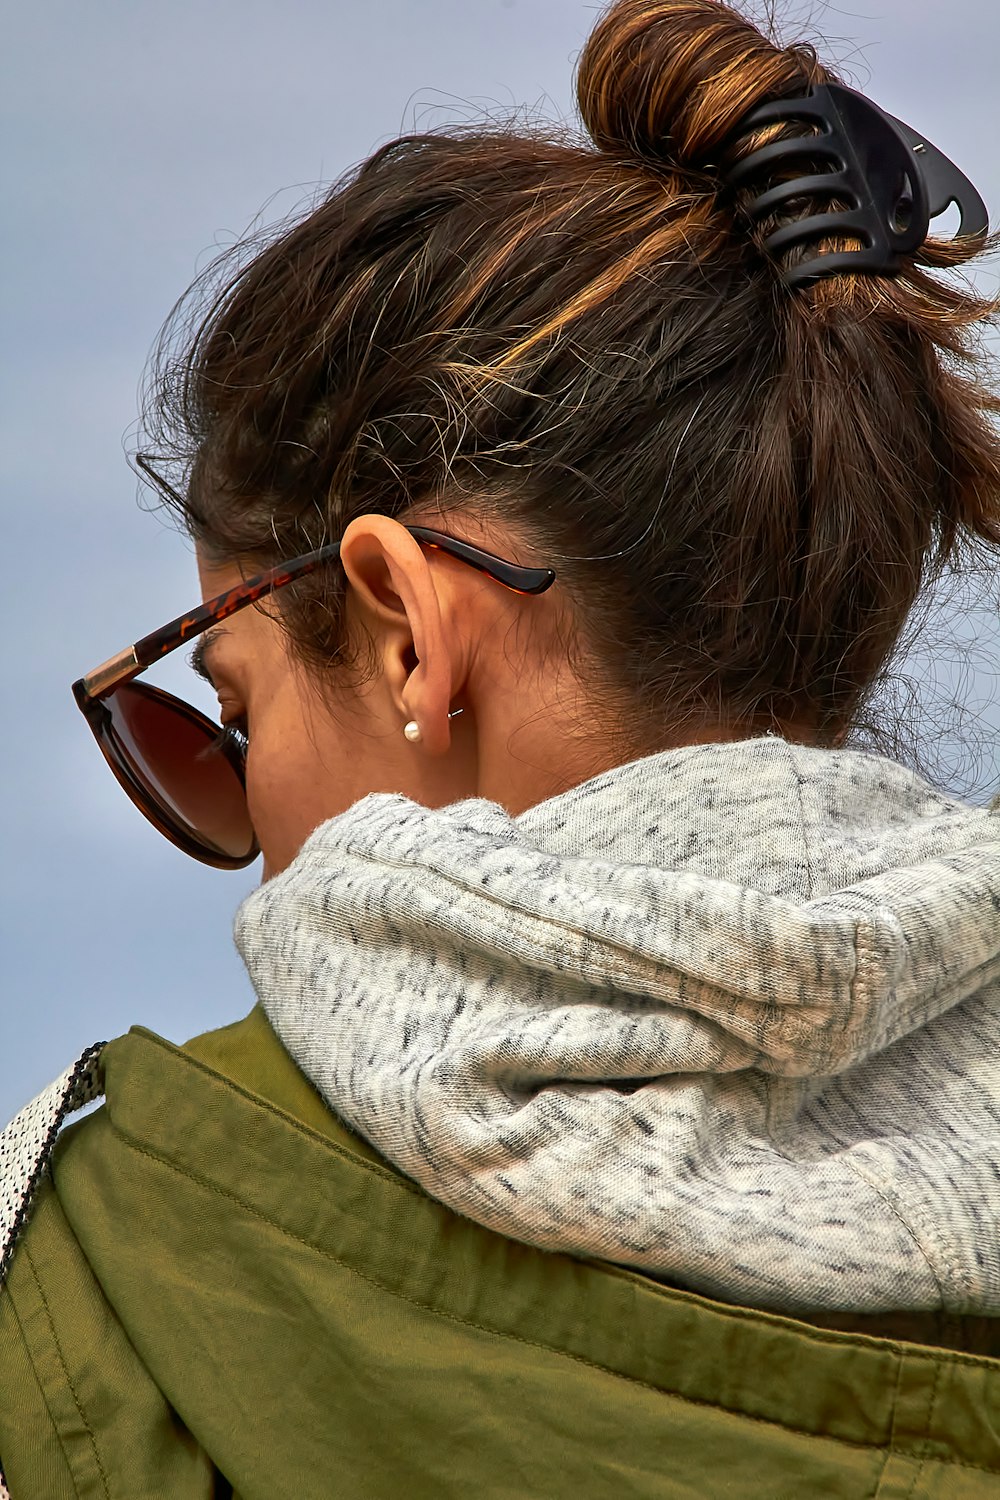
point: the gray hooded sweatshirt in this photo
(729, 1015)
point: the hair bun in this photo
(669, 80)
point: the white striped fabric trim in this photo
(26, 1146)
(27, 1142)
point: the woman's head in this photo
(577, 353)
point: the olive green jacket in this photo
(223, 1292)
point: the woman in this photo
(620, 1115)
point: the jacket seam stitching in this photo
(300, 1126)
(41, 1389)
(397, 1180)
(69, 1379)
(924, 1453)
(519, 1338)
(890, 1451)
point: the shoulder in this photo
(79, 1409)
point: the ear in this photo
(400, 598)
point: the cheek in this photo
(294, 782)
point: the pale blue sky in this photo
(138, 137)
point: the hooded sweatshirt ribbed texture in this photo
(729, 1014)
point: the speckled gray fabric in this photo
(729, 1014)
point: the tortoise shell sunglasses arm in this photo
(127, 664)
(135, 659)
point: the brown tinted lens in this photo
(173, 752)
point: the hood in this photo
(729, 1015)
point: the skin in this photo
(443, 637)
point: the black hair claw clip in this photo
(892, 181)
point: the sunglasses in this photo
(186, 774)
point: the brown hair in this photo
(742, 489)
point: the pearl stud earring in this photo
(412, 729)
